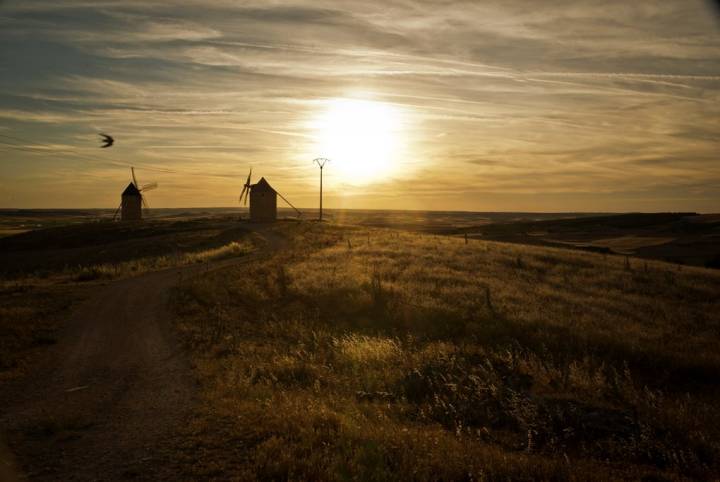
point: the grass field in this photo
(372, 354)
(96, 250)
(376, 354)
(682, 238)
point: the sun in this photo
(362, 138)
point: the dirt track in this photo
(107, 402)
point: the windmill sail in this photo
(246, 189)
(145, 187)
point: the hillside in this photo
(74, 246)
(45, 272)
(684, 238)
(377, 354)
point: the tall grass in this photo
(382, 355)
(146, 264)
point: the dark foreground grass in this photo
(44, 273)
(379, 355)
(96, 250)
(31, 316)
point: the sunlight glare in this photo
(362, 138)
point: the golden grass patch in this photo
(386, 355)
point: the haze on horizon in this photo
(479, 106)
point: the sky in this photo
(498, 105)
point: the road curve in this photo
(107, 401)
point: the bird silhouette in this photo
(107, 140)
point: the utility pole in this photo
(320, 161)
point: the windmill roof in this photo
(263, 184)
(131, 190)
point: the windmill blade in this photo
(246, 188)
(149, 187)
(132, 171)
(144, 202)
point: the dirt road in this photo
(107, 401)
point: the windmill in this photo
(133, 199)
(246, 189)
(263, 200)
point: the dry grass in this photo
(366, 350)
(11, 232)
(380, 355)
(100, 249)
(144, 265)
(134, 267)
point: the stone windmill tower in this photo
(263, 200)
(132, 200)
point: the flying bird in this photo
(107, 140)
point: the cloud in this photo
(500, 96)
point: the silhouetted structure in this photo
(131, 204)
(263, 202)
(132, 200)
(321, 161)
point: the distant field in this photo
(34, 219)
(428, 221)
(620, 245)
(684, 238)
(383, 355)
